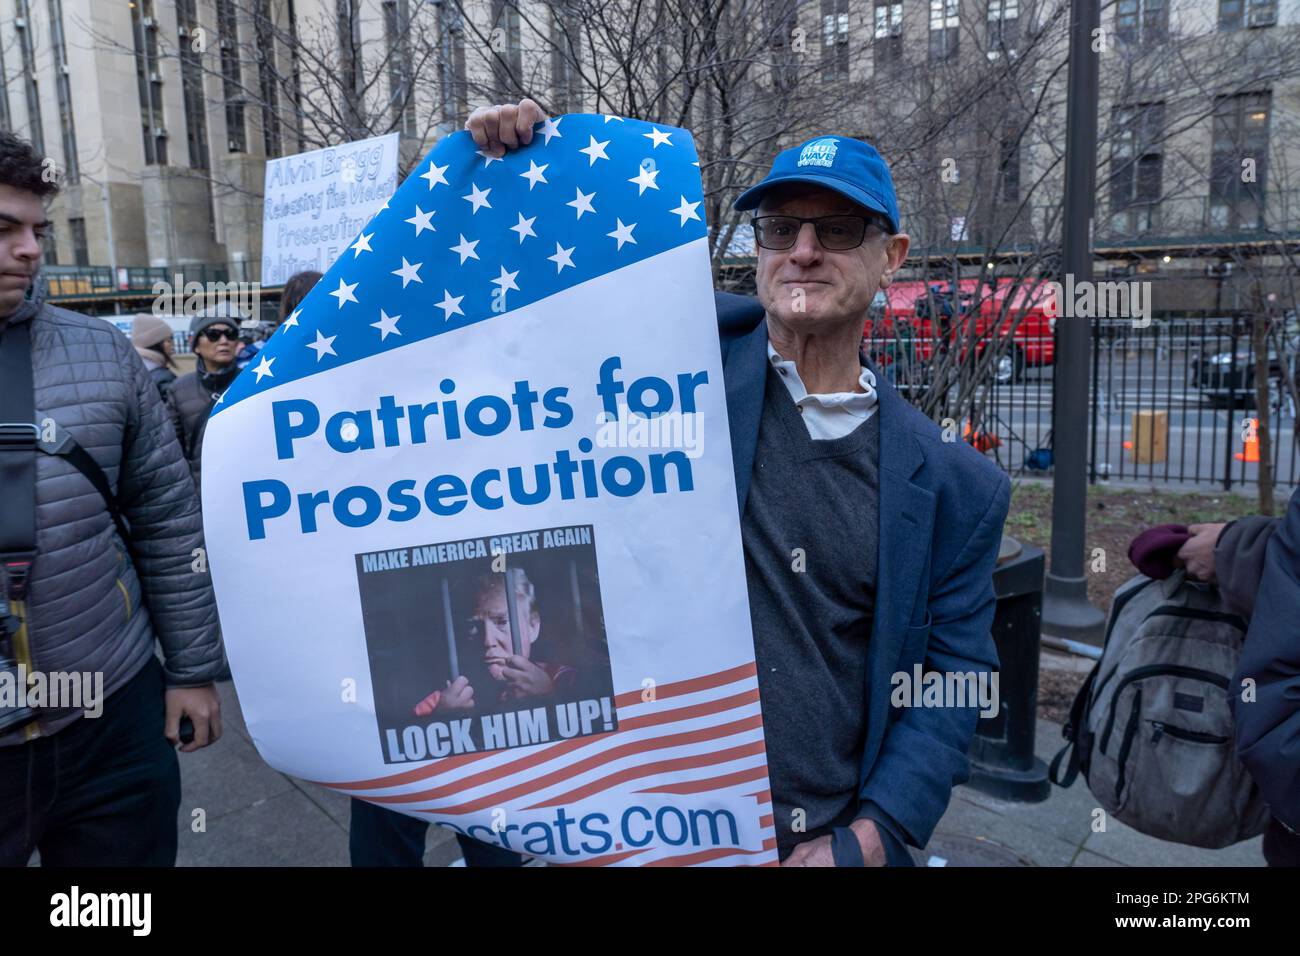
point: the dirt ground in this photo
(1115, 517)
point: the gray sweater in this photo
(810, 533)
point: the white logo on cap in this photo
(820, 152)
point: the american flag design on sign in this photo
(702, 735)
(590, 195)
(590, 243)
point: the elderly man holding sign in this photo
(869, 541)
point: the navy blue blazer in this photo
(1268, 728)
(942, 507)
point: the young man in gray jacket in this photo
(87, 773)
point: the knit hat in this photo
(1154, 550)
(148, 331)
(219, 314)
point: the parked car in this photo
(1226, 376)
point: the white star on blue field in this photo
(468, 237)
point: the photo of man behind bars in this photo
(487, 643)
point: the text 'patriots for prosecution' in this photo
(349, 431)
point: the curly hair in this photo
(22, 167)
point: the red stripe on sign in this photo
(605, 783)
(711, 783)
(701, 856)
(663, 766)
(678, 688)
(446, 764)
(692, 710)
(582, 766)
(555, 751)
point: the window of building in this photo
(1235, 14)
(566, 57)
(1004, 28)
(27, 49)
(196, 118)
(144, 30)
(944, 29)
(228, 42)
(507, 56)
(352, 84)
(835, 39)
(453, 84)
(780, 23)
(1142, 21)
(268, 80)
(62, 84)
(295, 73)
(6, 118)
(887, 37)
(400, 96)
(80, 247)
(1137, 167)
(1009, 165)
(1238, 161)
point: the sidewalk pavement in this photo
(979, 830)
(253, 815)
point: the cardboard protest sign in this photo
(314, 203)
(472, 521)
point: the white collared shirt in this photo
(827, 416)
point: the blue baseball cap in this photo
(848, 166)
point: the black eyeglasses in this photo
(216, 335)
(835, 233)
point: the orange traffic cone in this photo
(981, 439)
(1251, 442)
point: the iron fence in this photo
(1173, 402)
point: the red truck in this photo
(900, 328)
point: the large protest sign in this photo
(315, 202)
(472, 521)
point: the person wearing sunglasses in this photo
(823, 443)
(214, 339)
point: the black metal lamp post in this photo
(1066, 611)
